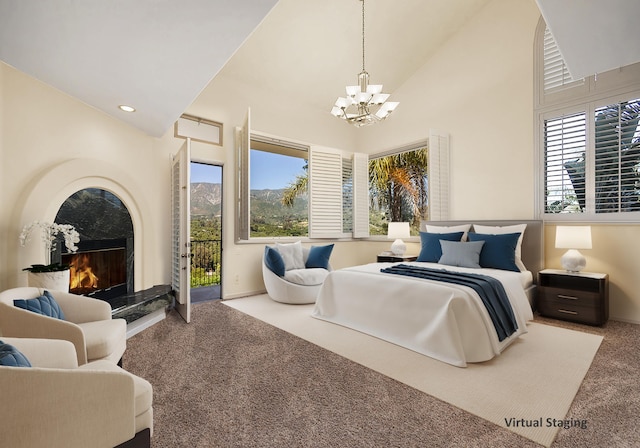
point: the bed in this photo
(450, 322)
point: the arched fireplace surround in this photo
(43, 198)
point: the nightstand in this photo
(389, 257)
(575, 296)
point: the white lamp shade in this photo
(573, 237)
(398, 230)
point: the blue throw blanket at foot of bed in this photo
(489, 289)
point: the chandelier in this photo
(365, 103)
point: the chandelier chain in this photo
(363, 36)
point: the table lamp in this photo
(573, 238)
(398, 230)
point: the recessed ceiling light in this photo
(126, 108)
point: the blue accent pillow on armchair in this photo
(45, 305)
(274, 261)
(11, 356)
(499, 251)
(431, 250)
(319, 256)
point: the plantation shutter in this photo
(438, 176)
(325, 193)
(243, 145)
(360, 168)
(616, 157)
(565, 140)
(556, 74)
(347, 195)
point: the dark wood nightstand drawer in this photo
(587, 315)
(568, 297)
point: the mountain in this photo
(206, 199)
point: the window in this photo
(410, 184)
(287, 189)
(326, 194)
(278, 204)
(398, 189)
(589, 140)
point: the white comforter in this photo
(444, 321)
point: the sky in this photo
(201, 172)
(263, 165)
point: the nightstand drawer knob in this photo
(562, 296)
(568, 312)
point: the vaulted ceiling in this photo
(159, 55)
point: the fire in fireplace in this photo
(98, 269)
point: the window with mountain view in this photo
(278, 200)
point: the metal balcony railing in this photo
(205, 262)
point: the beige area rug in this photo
(528, 389)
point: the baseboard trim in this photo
(244, 294)
(629, 321)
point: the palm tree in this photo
(296, 188)
(398, 184)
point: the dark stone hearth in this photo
(132, 307)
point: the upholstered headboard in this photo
(532, 242)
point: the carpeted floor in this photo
(229, 380)
(536, 377)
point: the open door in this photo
(181, 230)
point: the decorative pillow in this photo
(499, 251)
(273, 260)
(450, 229)
(500, 230)
(458, 253)
(319, 256)
(45, 305)
(431, 251)
(292, 255)
(11, 356)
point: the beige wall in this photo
(478, 87)
(52, 146)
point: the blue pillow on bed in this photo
(319, 256)
(499, 251)
(431, 250)
(274, 261)
(458, 253)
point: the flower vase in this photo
(52, 281)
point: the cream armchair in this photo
(54, 403)
(88, 324)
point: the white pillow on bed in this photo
(291, 255)
(450, 229)
(501, 230)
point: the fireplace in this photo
(100, 268)
(103, 265)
